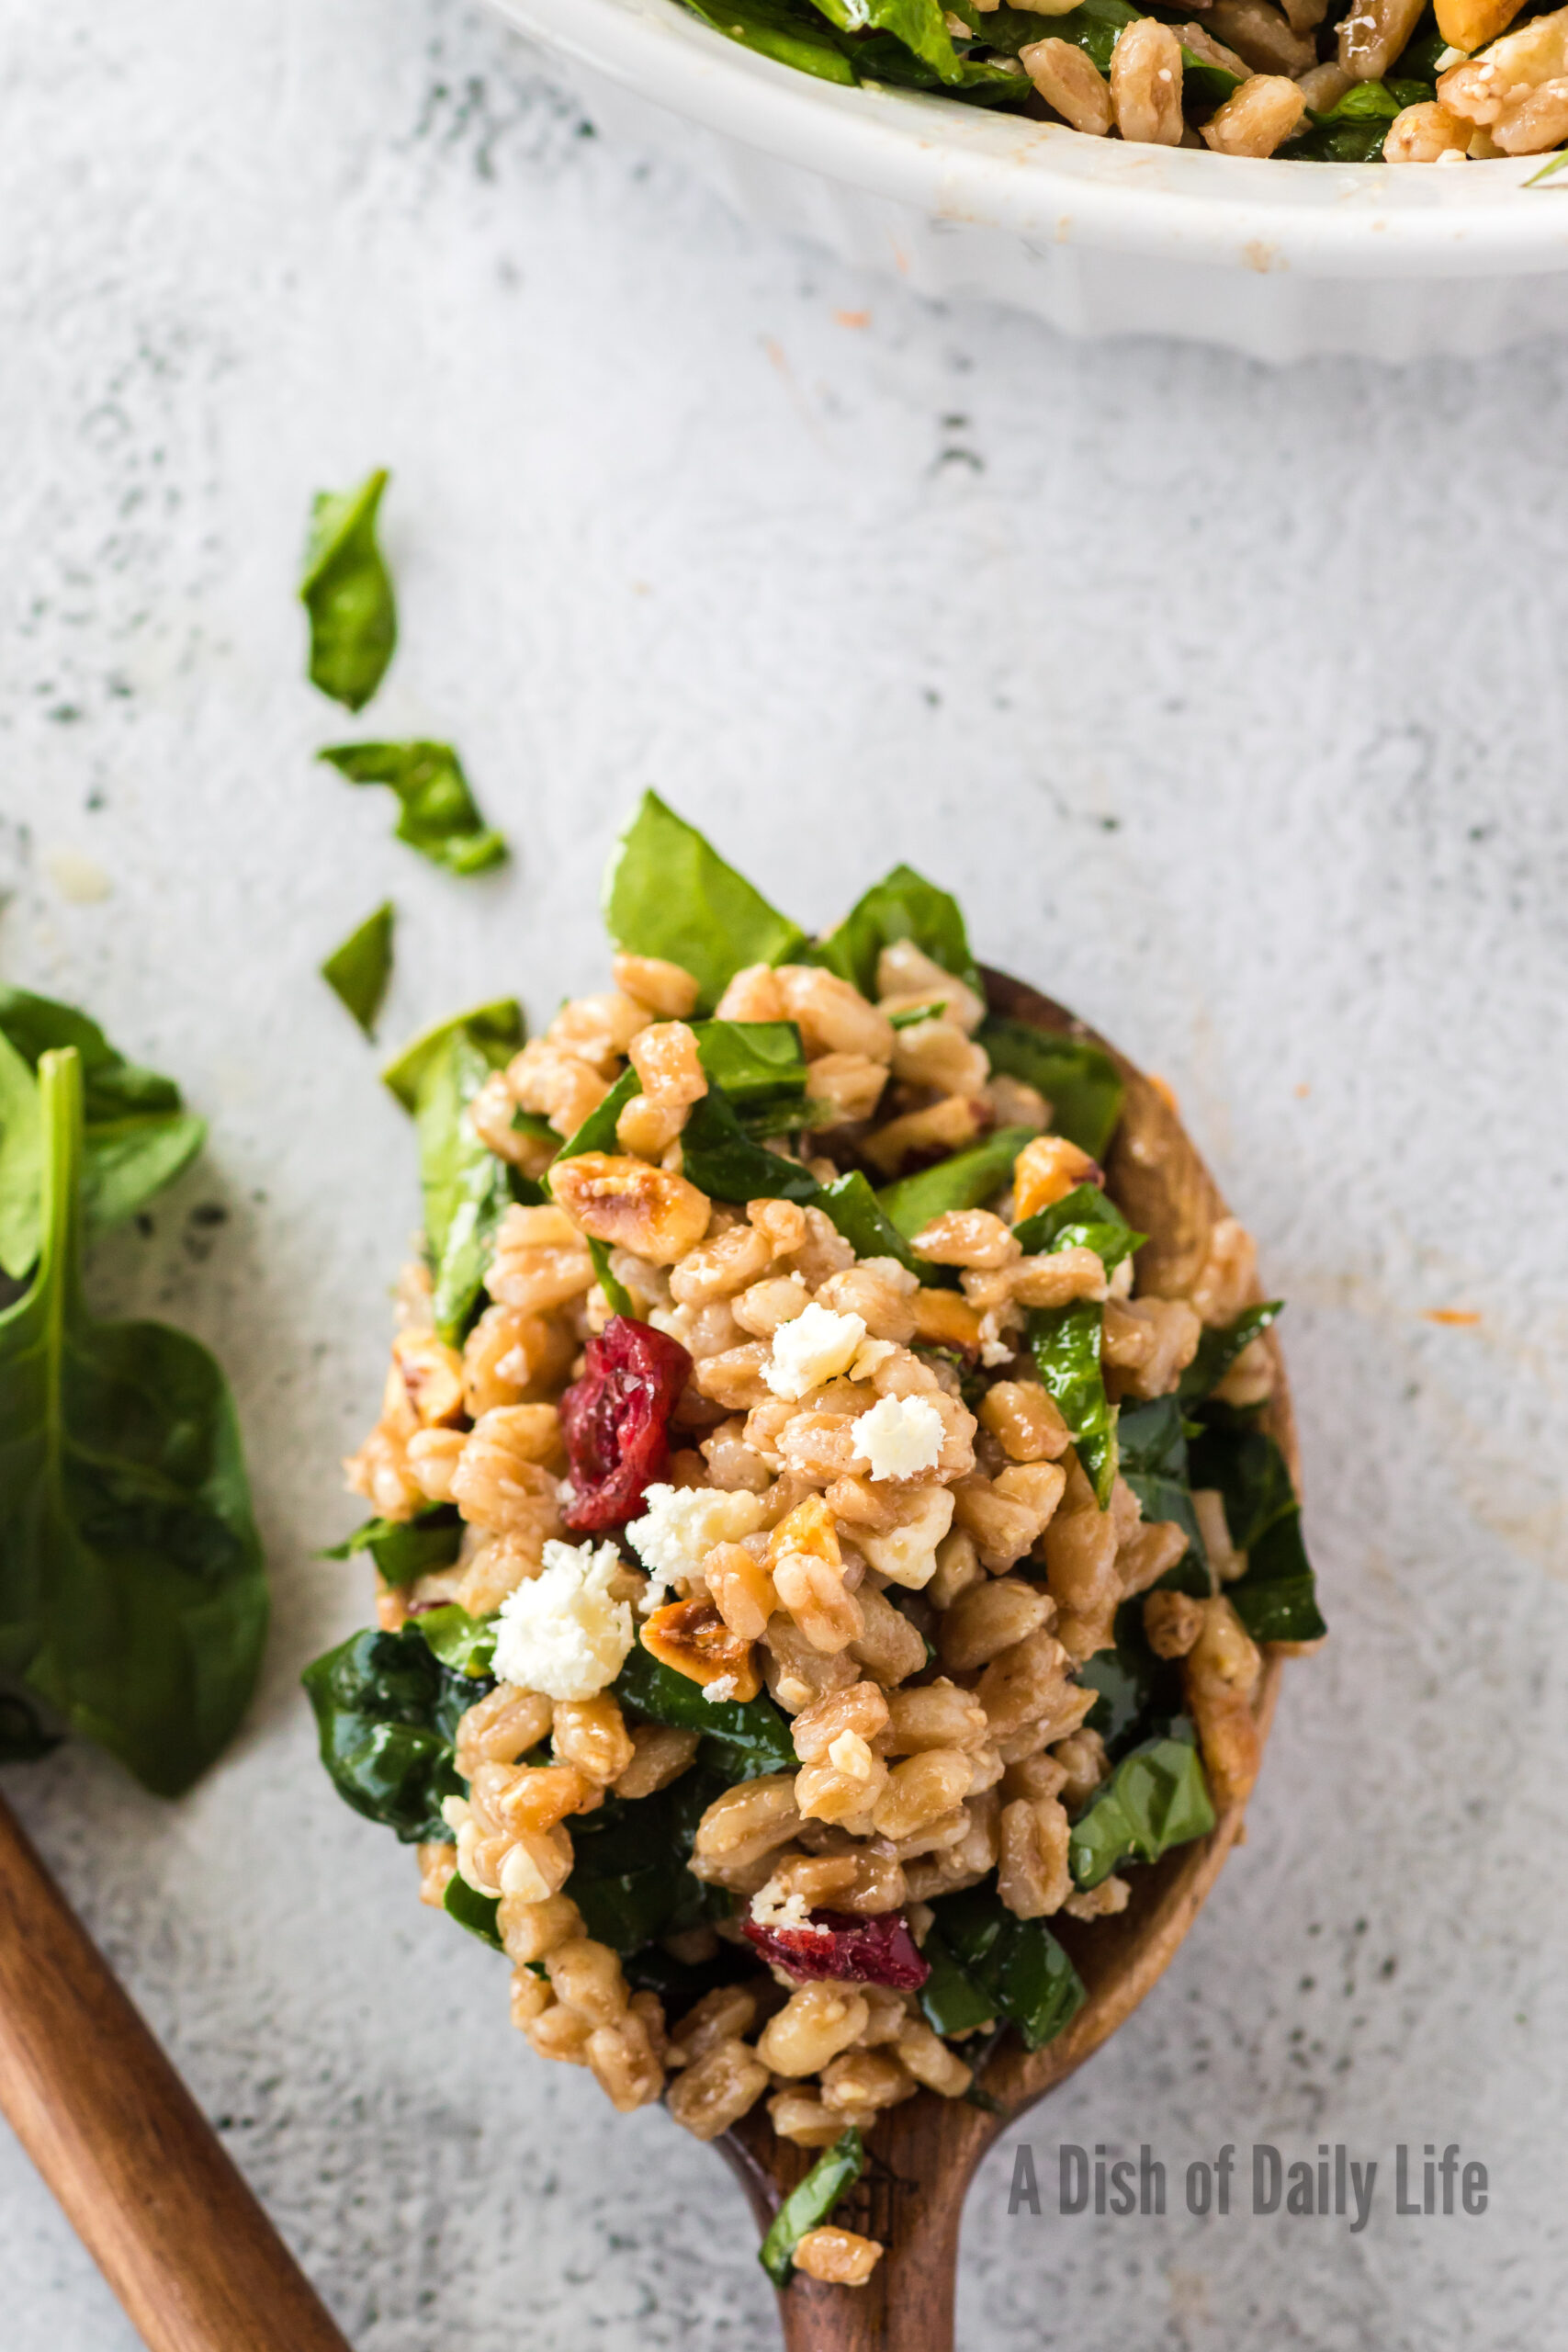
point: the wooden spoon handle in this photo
(121, 2141)
(905, 2306)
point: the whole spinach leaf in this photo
(960, 1183)
(1017, 1966)
(387, 1711)
(468, 1190)
(1217, 1351)
(1276, 1597)
(358, 971)
(809, 2203)
(438, 815)
(348, 590)
(777, 32)
(668, 893)
(1152, 1444)
(1157, 1797)
(497, 1026)
(1084, 1220)
(1065, 1342)
(403, 1549)
(132, 1597)
(903, 905)
(137, 1135)
(743, 1739)
(1078, 1080)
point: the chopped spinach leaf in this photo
(468, 1190)
(1084, 1220)
(949, 1998)
(809, 2205)
(1078, 1080)
(1138, 1691)
(1157, 1797)
(680, 1983)
(465, 1644)
(387, 1711)
(918, 1013)
(903, 905)
(1276, 1597)
(403, 1549)
(743, 1737)
(1217, 1351)
(866, 1226)
(1065, 1345)
(358, 971)
(597, 1132)
(759, 1069)
(610, 1282)
(721, 1159)
(668, 893)
(438, 814)
(982, 81)
(1017, 1965)
(348, 590)
(761, 1066)
(920, 24)
(777, 32)
(630, 1880)
(1092, 26)
(1151, 1442)
(962, 1183)
(1336, 143)
(137, 1135)
(23, 1739)
(496, 1026)
(472, 1910)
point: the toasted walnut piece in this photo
(437, 1868)
(923, 1789)
(1045, 1171)
(936, 1053)
(861, 1708)
(871, 2078)
(691, 1637)
(815, 2024)
(833, 1016)
(1069, 81)
(933, 1715)
(432, 1375)
(1084, 1764)
(1263, 35)
(838, 2257)
(1032, 1876)
(966, 1238)
(500, 1728)
(1146, 84)
(665, 990)
(661, 1754)
(800, 2117)
(718, 2089)
(1263, 113)
(644, 1209)
(946, 1125)
(944, 1319)
(1026, 1421)
(1219, 1675)
(989, 1619)
(746, 1822)
(850, 1084)
(727, 2014)
(531, 1932)
(591, 1734)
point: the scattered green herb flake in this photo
(962, 1183)
(1550, 171)
(903, 905)
(668, 893)
(1065, 1345)
(358, 971)
(403, 1549)
(497, 1027)
(1078, 1080)
(1217, 1351)
(1157, 1797)
(478, 1913)
(132, 1594)
(348, 590)
(809, 2205)
(438, 814)
(387, 1713)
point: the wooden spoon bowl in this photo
(924, 2152)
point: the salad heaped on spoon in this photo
(808, 1562)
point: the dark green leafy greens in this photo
(1064, 1342)
(387, 1713)
(1276, 1598)
(479, 1913)
(610, 1282)
(1152, 1446)
(403, 1549)
(137, 1135)
(466, 1189)
(1084, 1220)
(903, 905)
(742, 1738)
(869, 1230)
(497, 1026)
(1078, 1080)
(629, 1878)
(1155, 1798)
(1139, 1693)
(809, 2205)
(348, 590)
(722, 1160)
(779, 32)
(964, 1182)
(23, 1737)
(1217, 1351)
(132, 1598)
(438, 815)
(669, 894)
(1017, 1967)
(358, 971)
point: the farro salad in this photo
(806, 1562)
(1315, 81)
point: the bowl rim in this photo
(1050, 186)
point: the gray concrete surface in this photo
(1233, 703)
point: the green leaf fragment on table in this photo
(387, 1713)
(669, 894)
(964, 1182)
(497, 1026)
(1151, 1443)
(779, 33)
(132, 1594)
(358, 971)
(1078, 1080)
(1017, 1966)
(1083, 1219)
(903, 905)
(438, 815)
(1157, 1797)
(1217, 1351)
(478, 1913)
(403, 1549)
(810, 2202)
(746, 1736)
(348, 590)
(1065, 1342)
(137, 1135)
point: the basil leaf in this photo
(137, 1135)
(468, 1190)
(1017, 1965)
(808, 2204)
(439, 816)
(962, 1183)
(949, 1998)
(720, 1159)
(1136, 1689)
(472, 1910)
(132, 1596)
(903, 905)
(497, 1027)
(743, 1737)
(387, 1711)
(1157, 1797)
(1151, 1442)
(1217, 1351)
(870, 1232)
(776, 32)
(1083, 1219)
(403, 1549)
(23, 1739)
(358, 971)
(348, 590)
(615, 1290)
(1276, 1596)
(1065, 1344)
(667, 893)
(1079, 1080)
(465, 1644)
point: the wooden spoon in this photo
(924, 2152)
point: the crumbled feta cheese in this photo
(562, 1632)
(899, 1437)
(906, 1554)
(771, 1907)
(869, 1356)
(996, 1351)
(815, 1348)
(679, 1528)
(721, 1688)
(850, 1755)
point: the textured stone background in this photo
(1233, 703)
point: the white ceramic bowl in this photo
(1279, 260)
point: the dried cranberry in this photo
(615, 1421)
(879, 1951)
